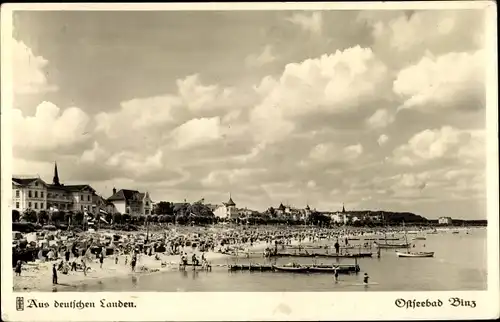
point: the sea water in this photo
(459, 263)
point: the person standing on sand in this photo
(54, 274)
(84, 265)
(133, 262)
(18, 268)
(101, 259)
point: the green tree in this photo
(108, 217)
(43, 217)
(164, 208)
(16, 216)
(126, 218)
(78, 217)
(30, 215)
(117, 218)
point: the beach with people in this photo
(85, 258)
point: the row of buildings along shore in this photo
(34, 194)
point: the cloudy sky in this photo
(376, 109)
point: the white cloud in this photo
(28, 70)
(309, 22)
(446, 142)
(382, 139)
(449, 81)
(225, 178)
(197, 132)
(49, 129)
(93, 155)
(264, 58)
(311, 184)
(381, 118)
(138, 114)
(192, 100)
(136, 164)
(199, 98)
(438, 30)
(336, 83)
(328, 152)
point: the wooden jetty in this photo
(340, 268)
(345, 255)
(404, 245)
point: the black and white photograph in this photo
(248, 150)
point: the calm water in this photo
(459, 263)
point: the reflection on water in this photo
(459, 264)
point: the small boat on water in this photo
(419, 238)
(416, 254)
(405, 245)
(455, 232)
(291, 269)
(409, 254)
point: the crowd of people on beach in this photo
(68, 251)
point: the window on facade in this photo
(41, 194)
(41, 205)
(29, 193)
(88, 198)
(36, 205)
(17, 205)
(147, 203)
(81, 207)
(81, 198)
(36, 194)
(17, 194)
(29, 204)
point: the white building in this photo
(445, 221)
(29, 193)
(227, 210)
(340, 217)
(131, 202)
(35, 194)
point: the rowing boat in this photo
(416, 254)
(291, 269)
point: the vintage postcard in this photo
(231, 161)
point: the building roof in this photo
(281, 207)
(26, 181)
(230, 202)
(126, 194)
(70, 188)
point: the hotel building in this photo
(35, 194)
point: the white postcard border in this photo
(156, 306)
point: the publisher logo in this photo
(20, 303)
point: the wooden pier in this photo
(322, 255)
(340, 268)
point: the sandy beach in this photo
(37, 276)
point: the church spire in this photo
(55, 180)
(343, 208)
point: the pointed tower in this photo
(55, 180)
(343, 208)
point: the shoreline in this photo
(40, 279)
(37, 276)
